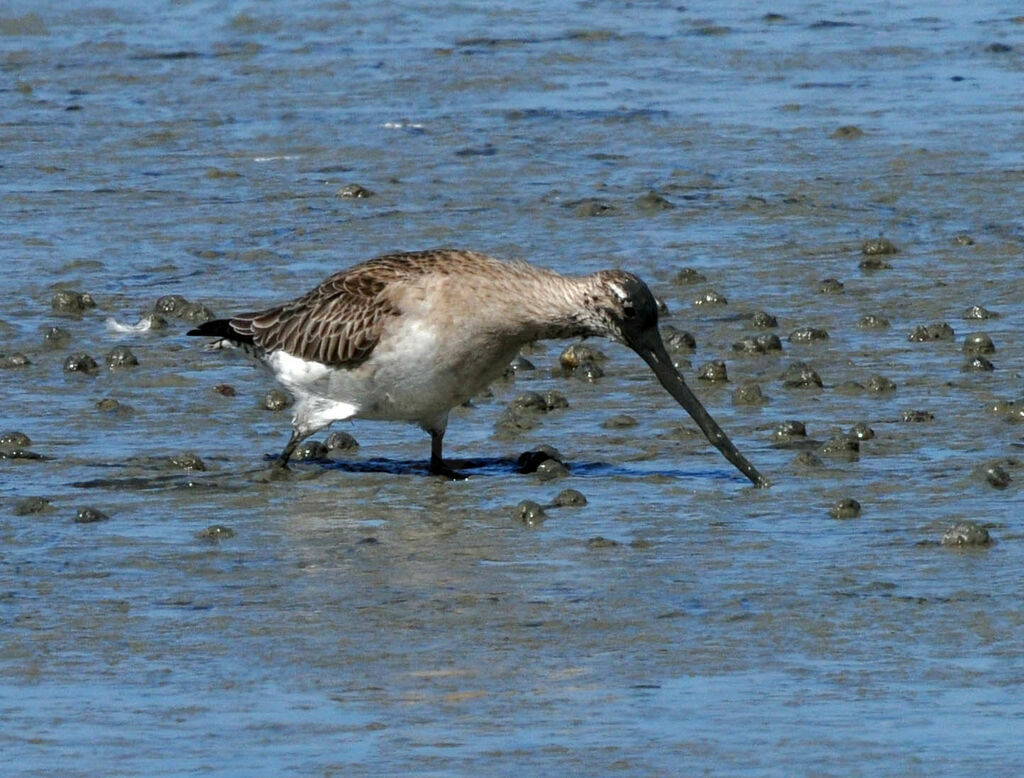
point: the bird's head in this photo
(623, 309)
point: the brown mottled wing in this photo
(340, 322)
(337, 324)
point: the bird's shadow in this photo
(477, 466)
(474, 468)
(496, 466)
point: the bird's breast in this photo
(420, 368)
(424, 370)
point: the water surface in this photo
(364, 619)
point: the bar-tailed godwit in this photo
(408, 337)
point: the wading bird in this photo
(409, 336)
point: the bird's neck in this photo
(555, 306)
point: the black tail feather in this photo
(221, 328)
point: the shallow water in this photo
(364, 619)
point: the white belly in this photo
(408, 377)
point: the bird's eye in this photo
(628, 311)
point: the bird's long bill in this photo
(653, 352)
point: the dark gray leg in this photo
(437, 465)
(295, 440)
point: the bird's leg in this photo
(437, 465)
(282, 461)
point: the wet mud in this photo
(826, 203)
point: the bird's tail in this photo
(221, 328)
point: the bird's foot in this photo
(438, 467)
(278, 470)
(274, 474)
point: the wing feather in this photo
(340, 322)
